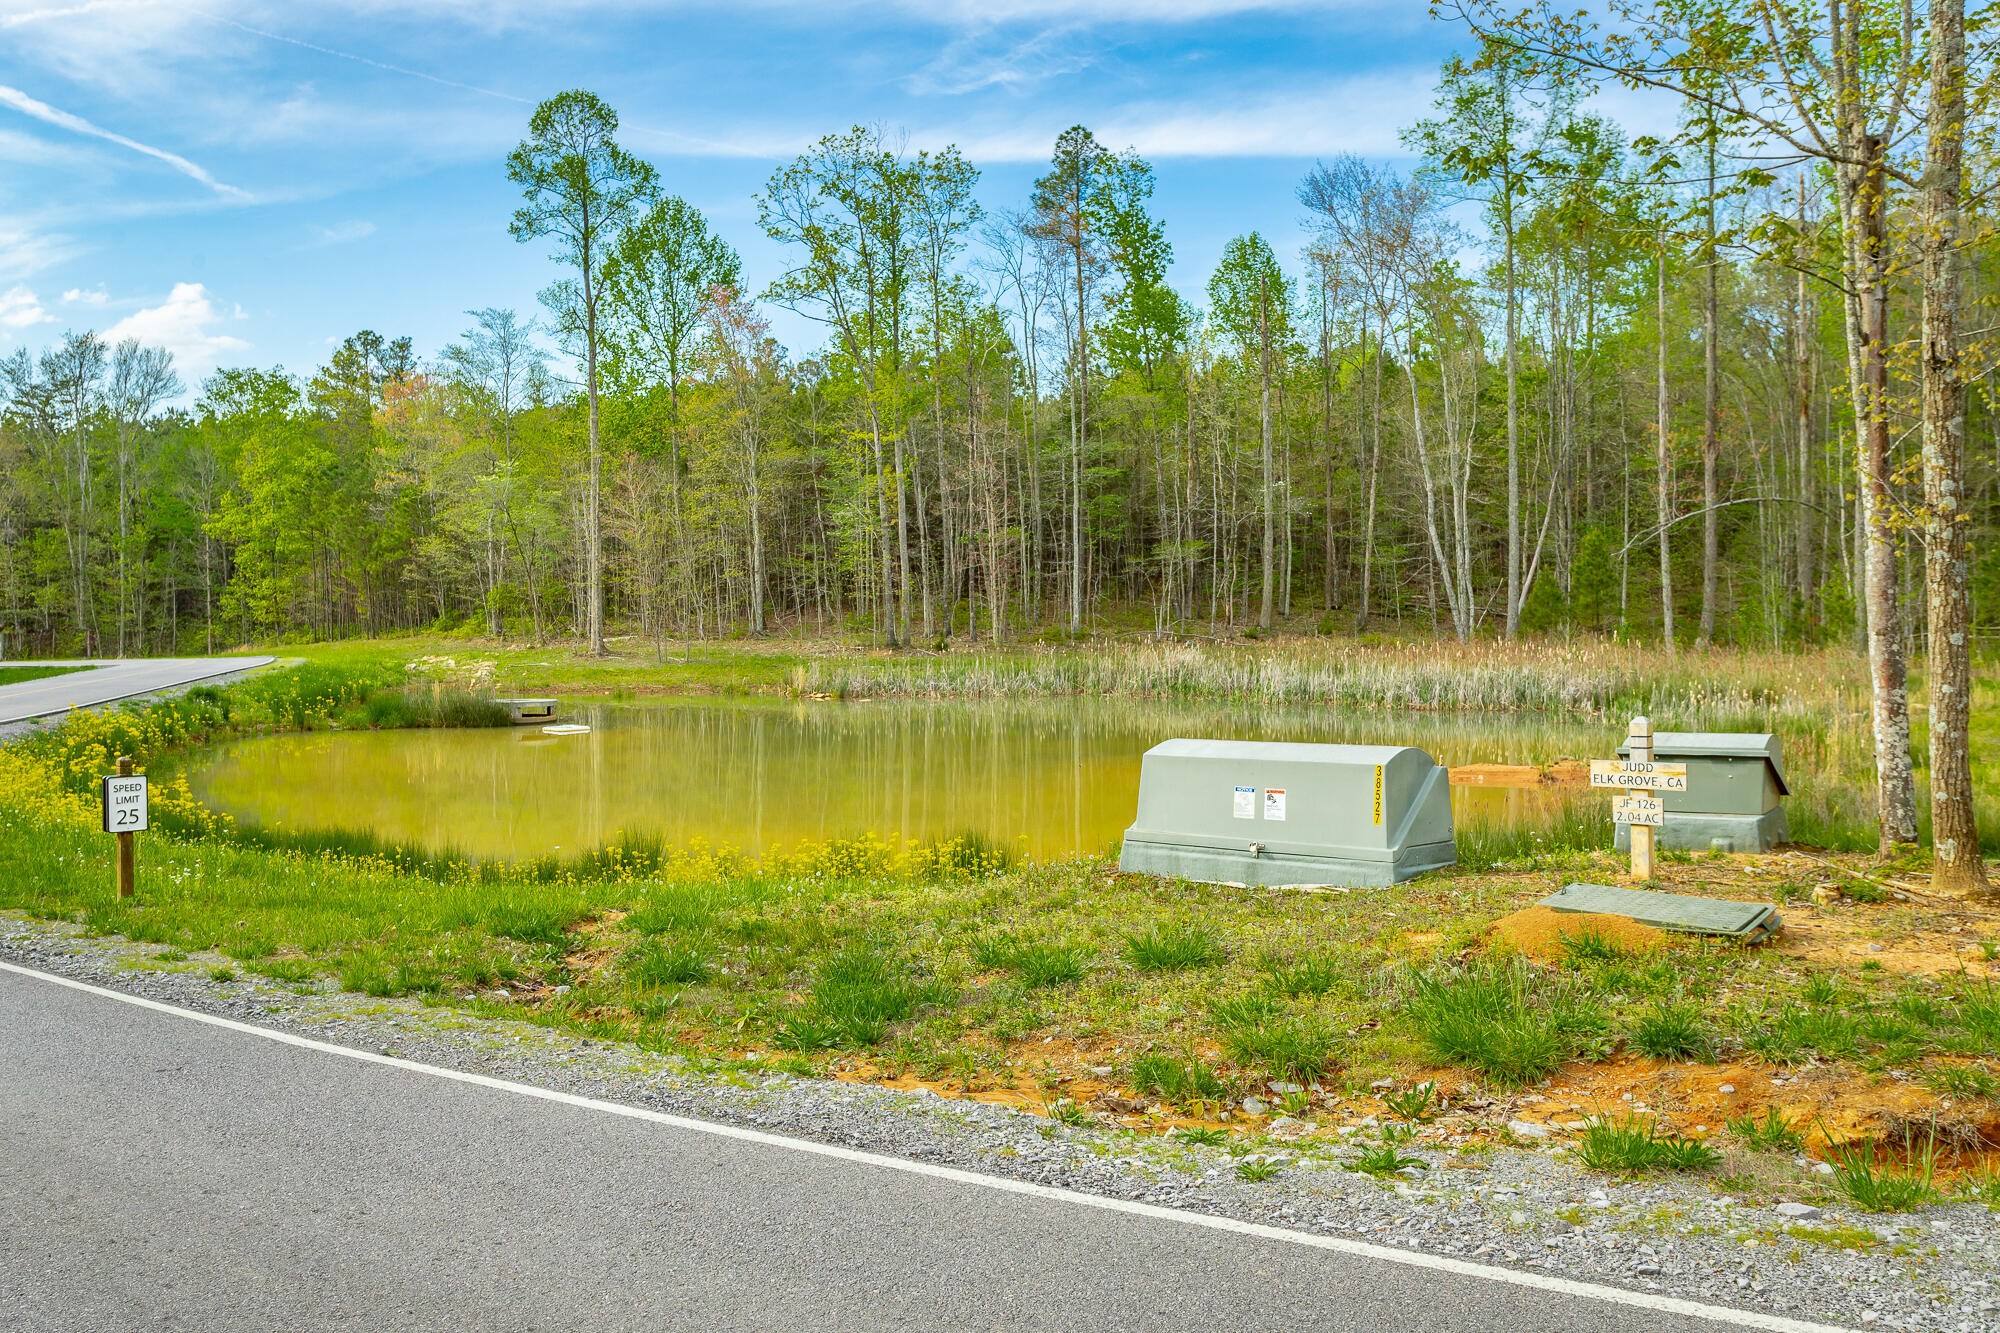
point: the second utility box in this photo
(1735, 792)
(1280, 812)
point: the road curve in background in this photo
(164, 1168)
(112, 679)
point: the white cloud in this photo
(78, 296)
(25, 251)
(1363, 115)
(29, 150)
(181, 325)
(21, 309)
(343, 231)
(967, 65)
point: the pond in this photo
(1047, 778)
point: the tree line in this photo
(1699, 388)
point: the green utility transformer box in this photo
(1278, 812)
(1735, 792)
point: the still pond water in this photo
(1047, 778)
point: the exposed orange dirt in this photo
(1564, 772)
(1541, 932)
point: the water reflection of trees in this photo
(1050, 776)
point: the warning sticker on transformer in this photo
(1246, 802)
(1274, 803)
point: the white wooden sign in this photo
(1639, 810)
(1638, 775)
(125, 804)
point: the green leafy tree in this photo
(581, 190)
(658, 286)
(1069, 212)
(1488, 138)
(845, 205)
(1251, 299)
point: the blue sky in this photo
(248, 183)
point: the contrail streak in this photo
(42, 111)
(359, 60)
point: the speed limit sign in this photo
(125, 804)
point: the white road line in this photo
(1561, 1286)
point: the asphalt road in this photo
(160, 1172)
(111, 681)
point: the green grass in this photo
(1591, 946)
(1255, 1169)
(1633, 1146)
(1178, 1080)
(1036, 963)
(1298, 1050)
(1051, 964)
(1386, 1159)
(531, 922)
(1509, 1021)
(675, 908)
(652, 964)
(1963, 1083)
(418, 706)
(1174, 948)
(1310, 976)
(1774, 1133)
(293, 970)
(1243, 1011)
(1673, 1032)
(1413, 1104)
(1879, 1187)
(20, 675)
(855, 998)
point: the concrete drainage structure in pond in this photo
(1279, 812)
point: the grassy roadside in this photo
(1076, 991)
(20, 675)
(1082, 993)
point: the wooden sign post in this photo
(1639, 737)
(1638, 780)
(124, 796)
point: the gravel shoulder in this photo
(1519, 1207)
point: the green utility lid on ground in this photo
(1670, 911)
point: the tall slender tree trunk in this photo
(593, 517)
(1513, 416)
(1956, 866)
(1711, 422)
(124, 538)
(1866, 209)
(1663, 462)
(1270, 492)
(1081, 380)
(1374, 474)
(1803, 532)
(902, 540)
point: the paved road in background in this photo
(160, 1172)
(111, 681)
